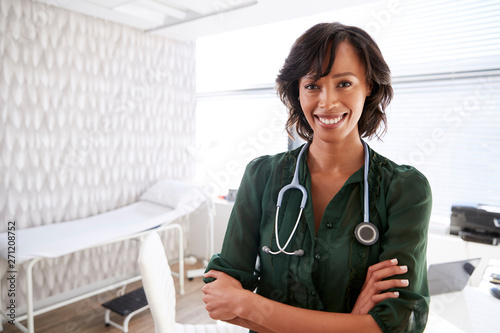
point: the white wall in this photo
(91, 114)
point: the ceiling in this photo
(190, 19)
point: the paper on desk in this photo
(472, 310)
(484, 310)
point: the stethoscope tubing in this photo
(282, 249)
(366, 232)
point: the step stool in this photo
(126, 306)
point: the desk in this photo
(472, 310)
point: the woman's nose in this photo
(328, 99)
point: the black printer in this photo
(476, 223)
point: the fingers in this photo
(375, 293)
(212, 274)
(380, 297)
(205, 289)
(222, 282)
(389, 271)
(380, 286)
(378, 273)
(220, 296)
(384, 270)
(376, 285)
(376, 279)
(217, 275)
(384, 264)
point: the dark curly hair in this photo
(307, 56)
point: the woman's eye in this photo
(344, 84)
(311, 86)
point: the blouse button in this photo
(317, 256)
(313, 293)
(329, 225)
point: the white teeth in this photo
(330, 121)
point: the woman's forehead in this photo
(345, 59)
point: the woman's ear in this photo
(370, 86)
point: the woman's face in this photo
(333, 104)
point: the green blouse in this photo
(332, 271)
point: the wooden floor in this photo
(87, 316)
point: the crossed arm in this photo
(226, 300)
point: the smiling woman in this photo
(336, 280)
(336, 100)
(350, 67)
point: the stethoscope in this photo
(366, 232)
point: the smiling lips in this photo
(330, 121)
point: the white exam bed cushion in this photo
(58, 239)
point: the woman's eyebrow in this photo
(309, 77)
(343, 74)
(334, 76)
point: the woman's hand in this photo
(222, 296)
(374, 284)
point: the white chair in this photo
(160, 291)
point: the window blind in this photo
(444, 119)
(443, 36)
(449, 130)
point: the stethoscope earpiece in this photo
(297, 253)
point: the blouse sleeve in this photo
(408, 206)
(240, 247)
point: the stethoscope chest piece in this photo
(366, 233)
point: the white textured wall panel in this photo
(92, 113)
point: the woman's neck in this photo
(327, 157)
